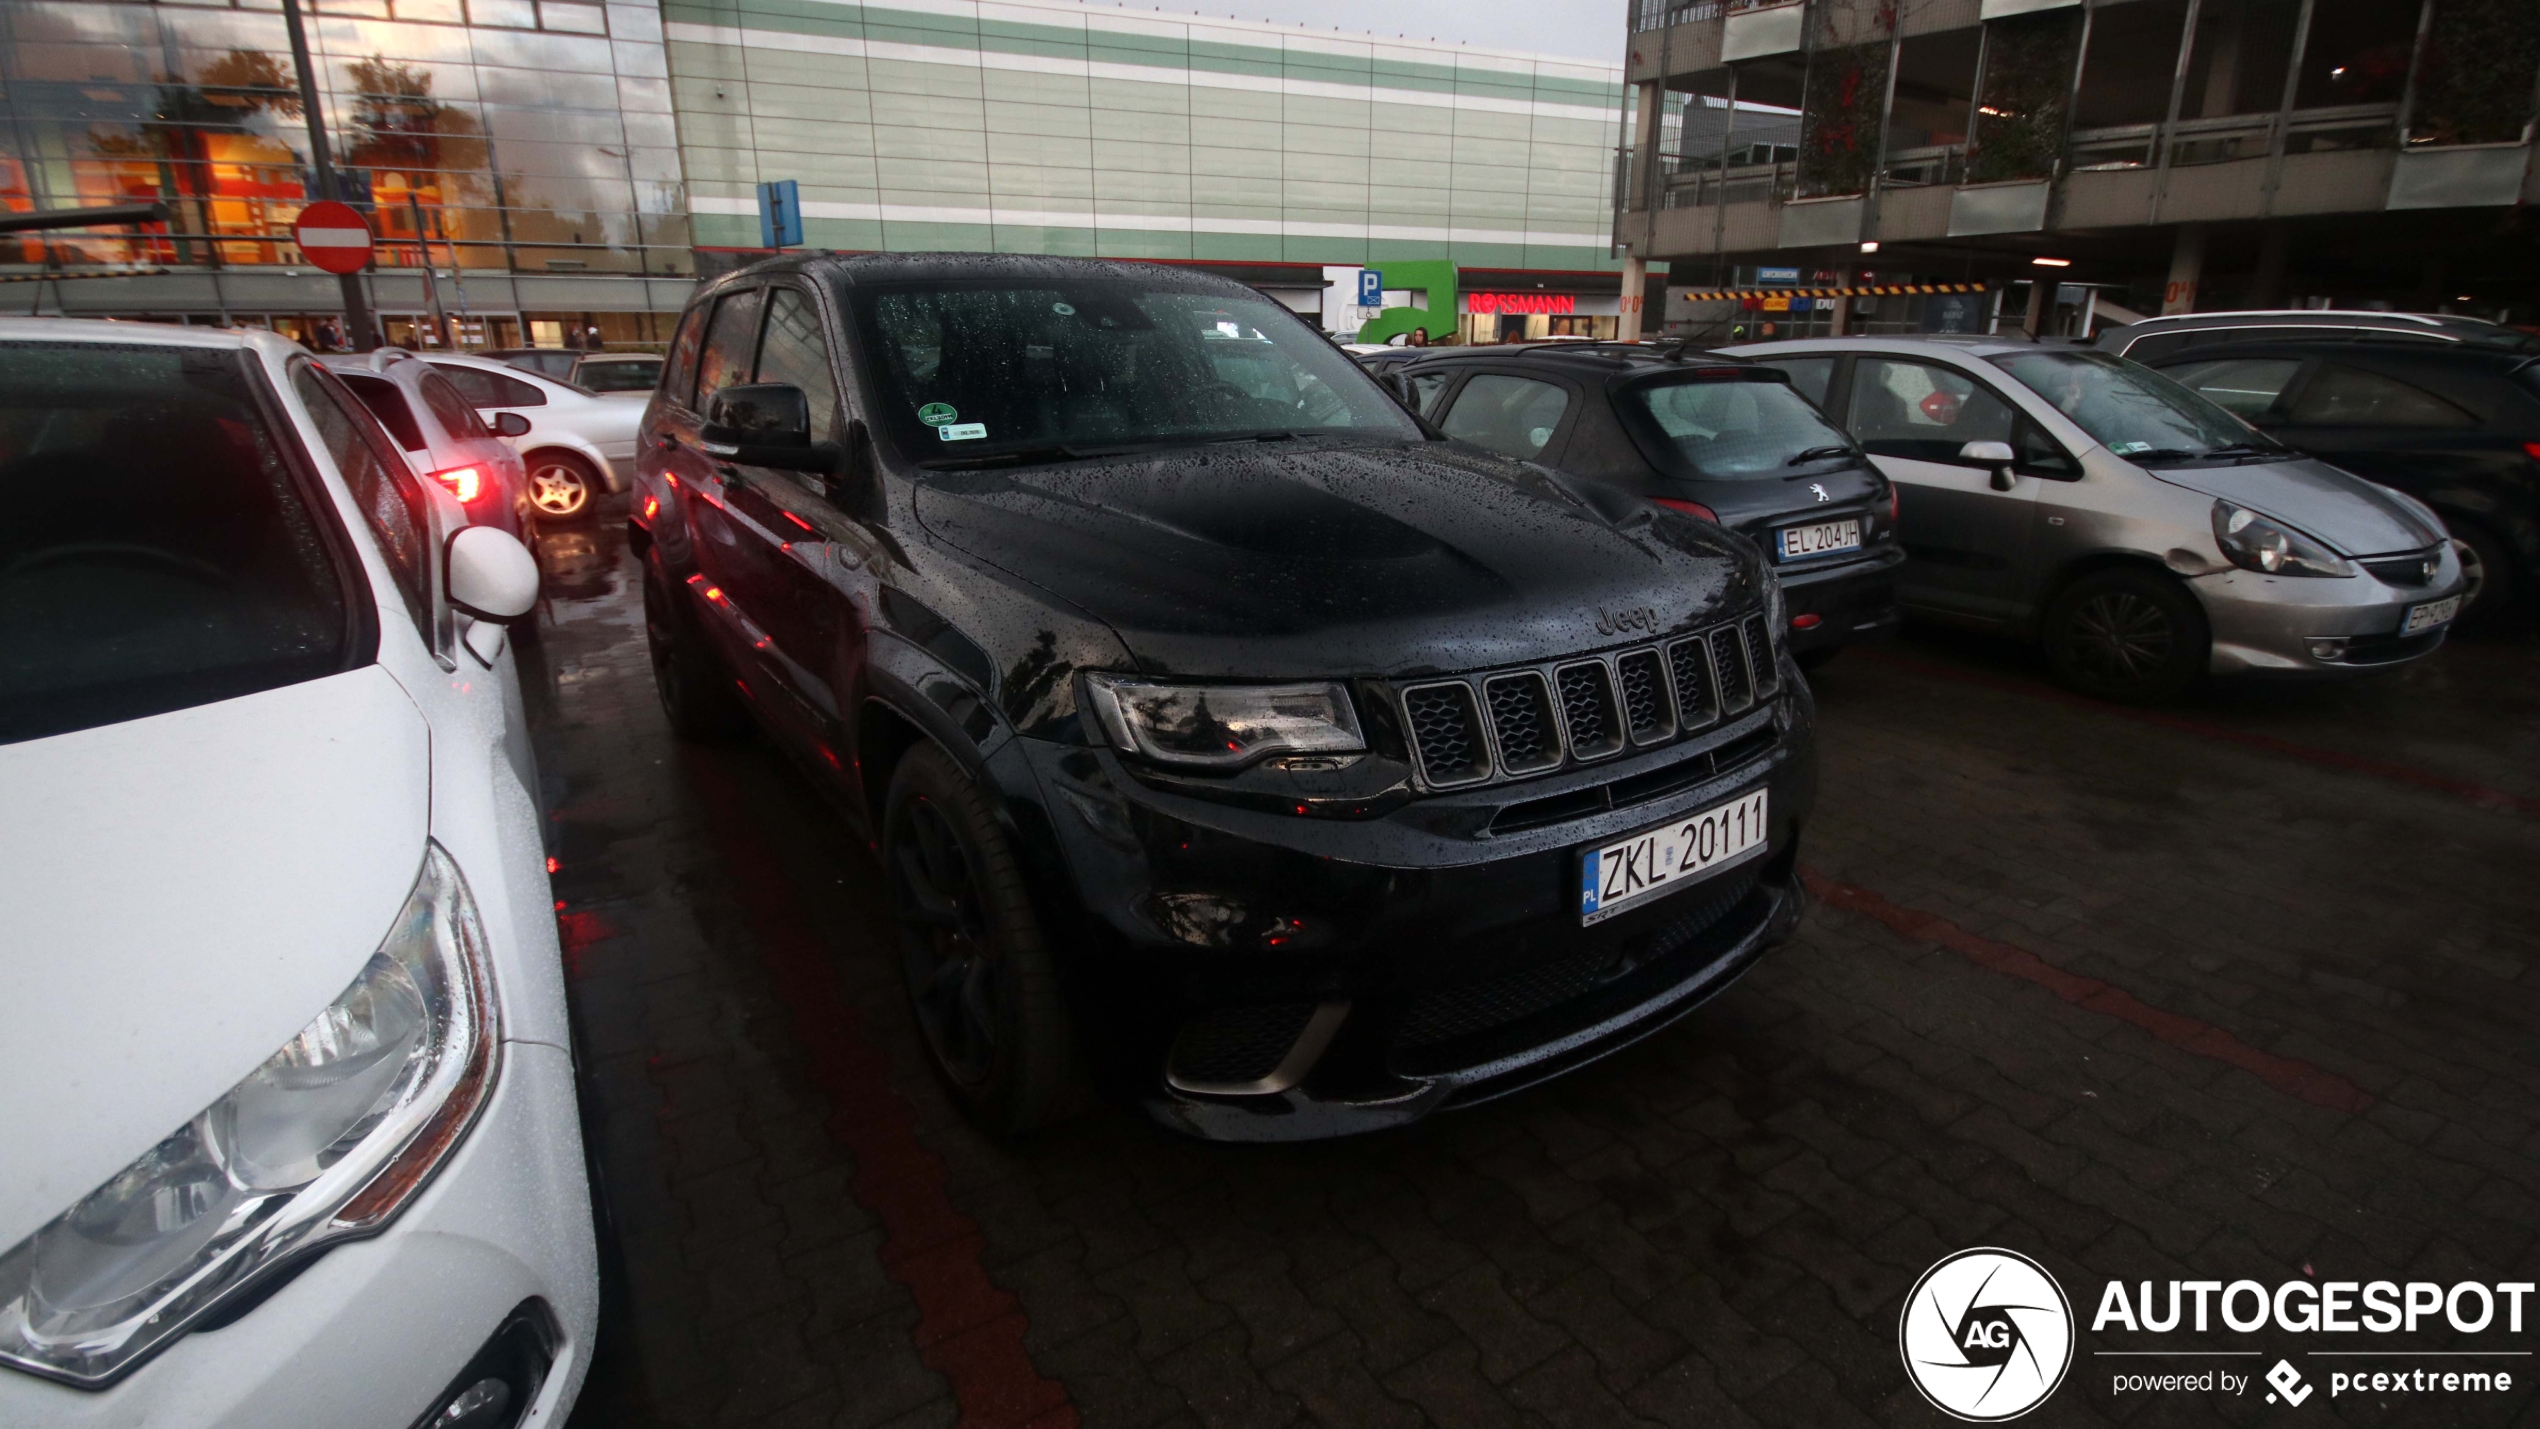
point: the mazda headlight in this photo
(326, 1140)
(2256, 543)
(1224, 726)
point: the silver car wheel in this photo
(559, 488)
(2122, 636)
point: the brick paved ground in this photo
(2241, 990)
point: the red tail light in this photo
(2533, 448)
(465, 482)
(1891, 503)
(1690, 508)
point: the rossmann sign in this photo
(1521, 303)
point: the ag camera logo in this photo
(1986, 1335)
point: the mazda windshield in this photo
(2137, 413)
(975, 372)
(159, 552)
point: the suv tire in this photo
(978, 976)
(2128, 635)
(696, 691)
(2496, 591)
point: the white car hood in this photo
(182, 894)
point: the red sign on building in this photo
(1522, 303)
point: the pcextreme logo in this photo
(1986, 1335)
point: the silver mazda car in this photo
(2141, 533)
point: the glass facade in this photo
(486, 137)
(1047, 127)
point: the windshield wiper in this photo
(1818, 454)
(1012, 456)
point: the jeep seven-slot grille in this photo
(1509, 723)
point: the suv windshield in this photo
(1738, 430)
(157, 553)
(970, 370)
(2133, 411)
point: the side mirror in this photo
(510, 424)
(764, 424)
(490, 574)
(1997, 455)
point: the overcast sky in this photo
(1572, 29)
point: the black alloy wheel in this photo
(2127, 635)
(978, 978)
(2493, 591)
(696, 691)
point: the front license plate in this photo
(1666, 858)
(1798, 543)
(2431, 614)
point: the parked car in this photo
(578, 444)
(617, 374)
(2143, 534)
(286, 1018)
(1212, 721)
(556, 362)
(1717, 437)
(2156, 339)
(2454, 424)
(442, 435)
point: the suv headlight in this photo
(2256, 543)
(325, 1141)
(1223, 726)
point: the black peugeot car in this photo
(1717, 437)
(1222, 731)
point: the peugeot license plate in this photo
(1798, 543)
(1668, 857)
(2431, 614)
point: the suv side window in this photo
(2242, 386)
(679, 374)
(457, 417)
(725, 360)
(2350, 397)
(1425, 388)
(490, 389)
(1514, 416)
(793, 352)
(383, 487)
(1923, 412)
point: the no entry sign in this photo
(333, 236)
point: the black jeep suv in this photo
(1221, 728)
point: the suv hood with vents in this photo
(1322, 558)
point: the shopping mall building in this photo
(560, 172)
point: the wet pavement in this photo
(2242, 988)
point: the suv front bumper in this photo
(1252, 976)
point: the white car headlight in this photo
(2257, 543)
(1224, 726)
(326, 1140)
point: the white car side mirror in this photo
(492, 576)
(1997, 455)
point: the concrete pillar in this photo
(2222, 68)
(2266, 289)
(2187, 268)
(1635, 294)
(1842, 306)
(2041, 306)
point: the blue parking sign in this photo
(1371, 288)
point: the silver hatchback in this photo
(2141, 533)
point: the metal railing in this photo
(1658, 14)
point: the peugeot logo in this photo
(1820, 490)
(1615, 622)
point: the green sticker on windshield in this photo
(935, 414)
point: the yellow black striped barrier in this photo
(1880, 290)
(70, 277)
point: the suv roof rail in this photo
(2423, 319)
